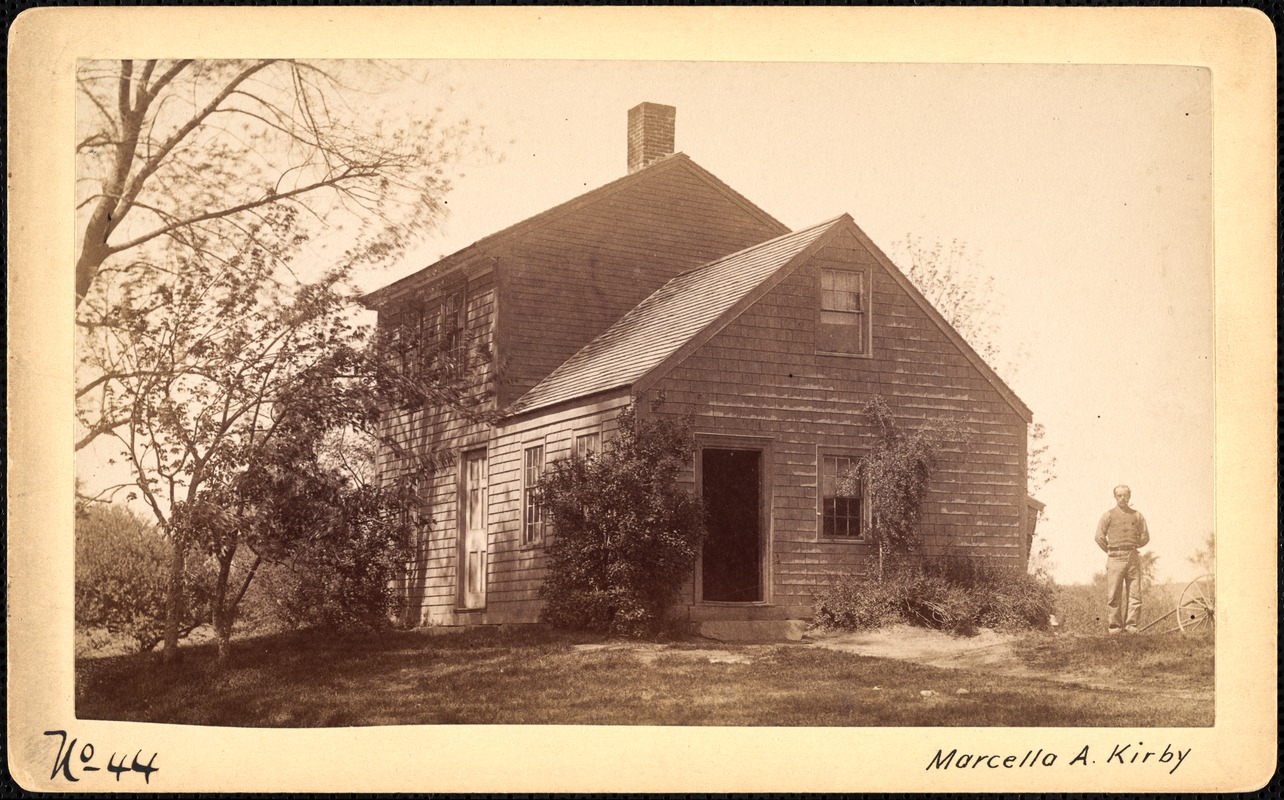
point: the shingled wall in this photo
(761, 377)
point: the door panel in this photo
(731, 562)
(472, 524)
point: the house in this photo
(668, 290)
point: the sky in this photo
(1083, 192)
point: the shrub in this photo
(343, 577)
(896, 475)
(624, 536)
(122, 577)
(949, 593)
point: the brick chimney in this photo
(650, 134)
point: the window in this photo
(532, 512)
(842, 517)
(454, 326)
(402, 338)
(588, 444)
(844, 320)
(429, 336)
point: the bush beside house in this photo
(952, 593)
(625, 537)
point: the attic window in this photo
(843, 327)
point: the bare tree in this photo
(187, 161)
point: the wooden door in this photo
(731, 562)
(472, 527)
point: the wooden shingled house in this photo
(668, 290)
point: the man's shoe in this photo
(1130, 629)
(1113, 631)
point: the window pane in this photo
(587, 444)
(840, 290)
(840, 516)
(533, 513)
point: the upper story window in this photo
(843, 327)
(454, 328)
(588, 444)
(843, 514)
(532, 511)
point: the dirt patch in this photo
(648, 653)
(922, 646)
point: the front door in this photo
(472, 526)
(731, 563)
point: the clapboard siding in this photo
(544, 289)
(761, 376)
(428, 583)
(517, 570)
(571, 278)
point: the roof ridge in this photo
(621, 329)
(461, 256)
(743, 250)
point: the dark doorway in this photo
(731, 568)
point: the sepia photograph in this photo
(635, 398)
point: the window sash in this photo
(533, 512)
(841, 291)
(841, 517)
(587, 444)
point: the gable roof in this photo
(490, 243)
(690, 309)
(669, 321)
(982, 366)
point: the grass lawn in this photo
(530, 675)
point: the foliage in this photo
(121, 568)
(954, 282)
(625, 536)
(896, 475)
(957, 285)
(229, 388)
(1205, 558)
(346, 579)
(953, 593)
(1040, 564)
(1149, 568)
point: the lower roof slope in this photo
(665, 321)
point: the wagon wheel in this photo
(1195, 609)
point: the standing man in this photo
(1121, 531)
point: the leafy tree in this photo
(226, 388)
(896, 475)
(625, 536)
(1205, 558)
(951, 277)
(1149, 568)
(339, 542)
(121, 566)
(224, 164)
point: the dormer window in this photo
(843, 326)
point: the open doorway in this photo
(731, 562)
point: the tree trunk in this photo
(174, 599)
(222, 613)
(224, 637)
